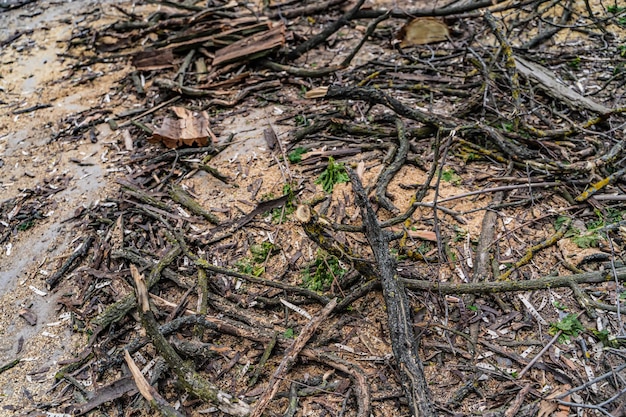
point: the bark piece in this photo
(155, 59)
(290, 357)
(422, 31)
(255, 46)
(554, 88)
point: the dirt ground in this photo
(50, 177)
(34, 162)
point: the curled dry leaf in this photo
(188, 129)
(422, 31)
(316, 92)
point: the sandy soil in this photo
(32, 160)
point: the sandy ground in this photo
(31, 159)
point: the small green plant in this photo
(587, 240)
(334, 174)
(324, 270)
(25, 225)
(280, 213)
(448, 175)
(558, 305)
(300, 119)
(255, 264)
(289, 333)
(621, 21)
(582, 240)
(606, 338)
(472, 307)
(245, 266)
(569, 325)
(459, 234)
(261, 252)
(508, 126)
(559, 222)
(295, 156)
(574, 63)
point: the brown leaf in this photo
(189, 129)
(422, 31)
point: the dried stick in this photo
(118, 310)
(182, 197)
(147, 392)
(540, 354)
(510, 65)
(192, 381)
(324, 34)
(71, 262)
(405, 348)
(517, 403)
(542, 283)
(387, 175)
(482, 260)
(536, 248)
(290, 357)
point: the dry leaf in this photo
(548, 406)
(28, 315)
(189, 129)
(252, 47)
(422, 31)
(317, 92)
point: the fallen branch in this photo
(71, 262)
(543, 283)
(290, 357)
(147, 392)
(192, 381)
(405, 348)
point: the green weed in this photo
(245, 266)
(607, 339)
(295, 156)
(255, 264)
(335, 173)
(574, 63)
(300, 119)
(448, 175)
(324, 270)
(569, 325)
(25, 225)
